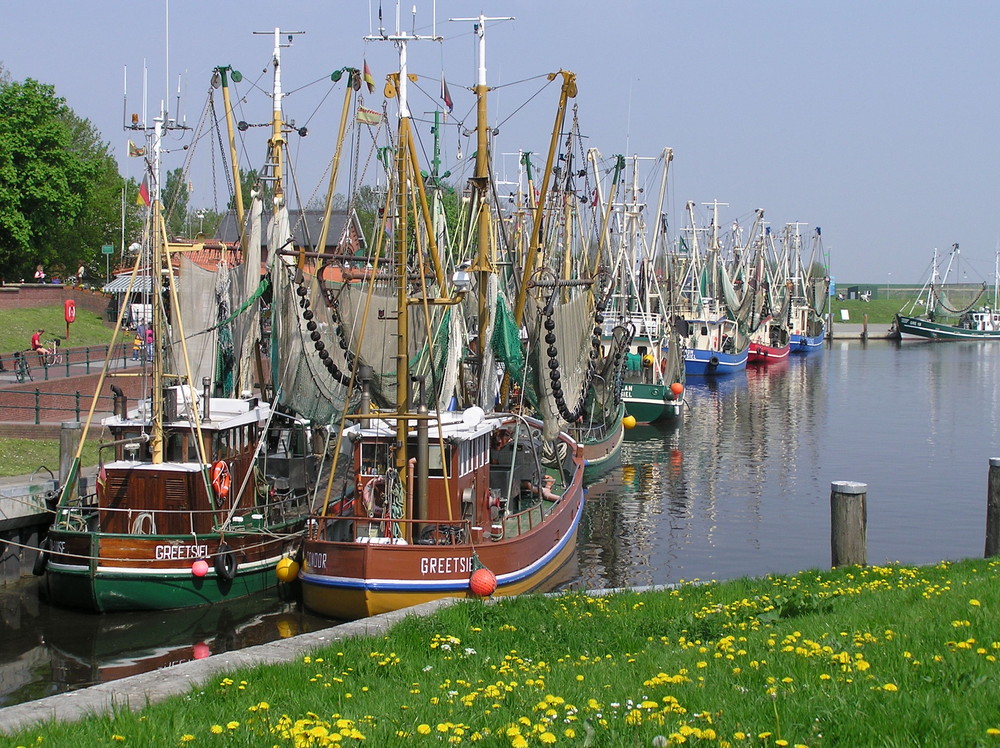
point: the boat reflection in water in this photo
(48, 650)
(620, 519)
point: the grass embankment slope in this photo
(24, 456)
(878, 656)
(18, 325)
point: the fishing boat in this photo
(770, 300)
(654, 376)
(187, 510)
(810, 292)
(715, 343)
(442, 498)
(934, 314)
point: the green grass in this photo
(24, 456)
(879, 311)
(18, 325)
(878, 656)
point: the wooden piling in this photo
(993, 509)
(69, 440)
(864, 327)
(848, 523)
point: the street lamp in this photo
(888, 282)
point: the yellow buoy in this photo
(287, 570)
(629, 422)
(647, 360)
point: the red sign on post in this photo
(69, 312)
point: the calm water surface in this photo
(741, 487)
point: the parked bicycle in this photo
(53, 355)
(22, 369)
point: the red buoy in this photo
(483, 582)
(677, 388)
(199, 568)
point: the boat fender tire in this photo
(42, 559)
(225, 563)
(714, 361)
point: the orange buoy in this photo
(483, 582)
(200, 567)
(677, 388)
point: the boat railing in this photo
(84, 515)
(646, 324)
(397, 531)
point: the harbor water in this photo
(741, 487)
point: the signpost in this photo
(107, 250)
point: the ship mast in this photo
(484, 263)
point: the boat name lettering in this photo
(177, 551)
(316, 560)
(447, 565)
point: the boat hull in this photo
(807, 343)
(702, 362)
(648, 403)
(601, 444)
(917, 327)
(765, 354)
(120, 573)
(351, 580)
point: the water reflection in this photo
(742, 488)
(47, 650)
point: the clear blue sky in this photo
(876, 121)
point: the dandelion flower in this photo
(216, 729)
(232, 725)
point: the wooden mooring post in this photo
(993, 509)
(848, 523)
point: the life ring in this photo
(221, 480)
(224, 562)
(42, 559)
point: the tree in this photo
(175, 196)
(60, 191)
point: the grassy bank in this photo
(25, 456)
(880, 656)
(18, 325)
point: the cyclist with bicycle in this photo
(37, 347)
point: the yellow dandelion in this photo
(232, 725)
(424, 729)
(993, 731)
(187, 738)
(216, 729)
(975, 602)
(119, 738)
(547, 737)
(890, 687)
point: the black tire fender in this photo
(224, 562)
(42, 559)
